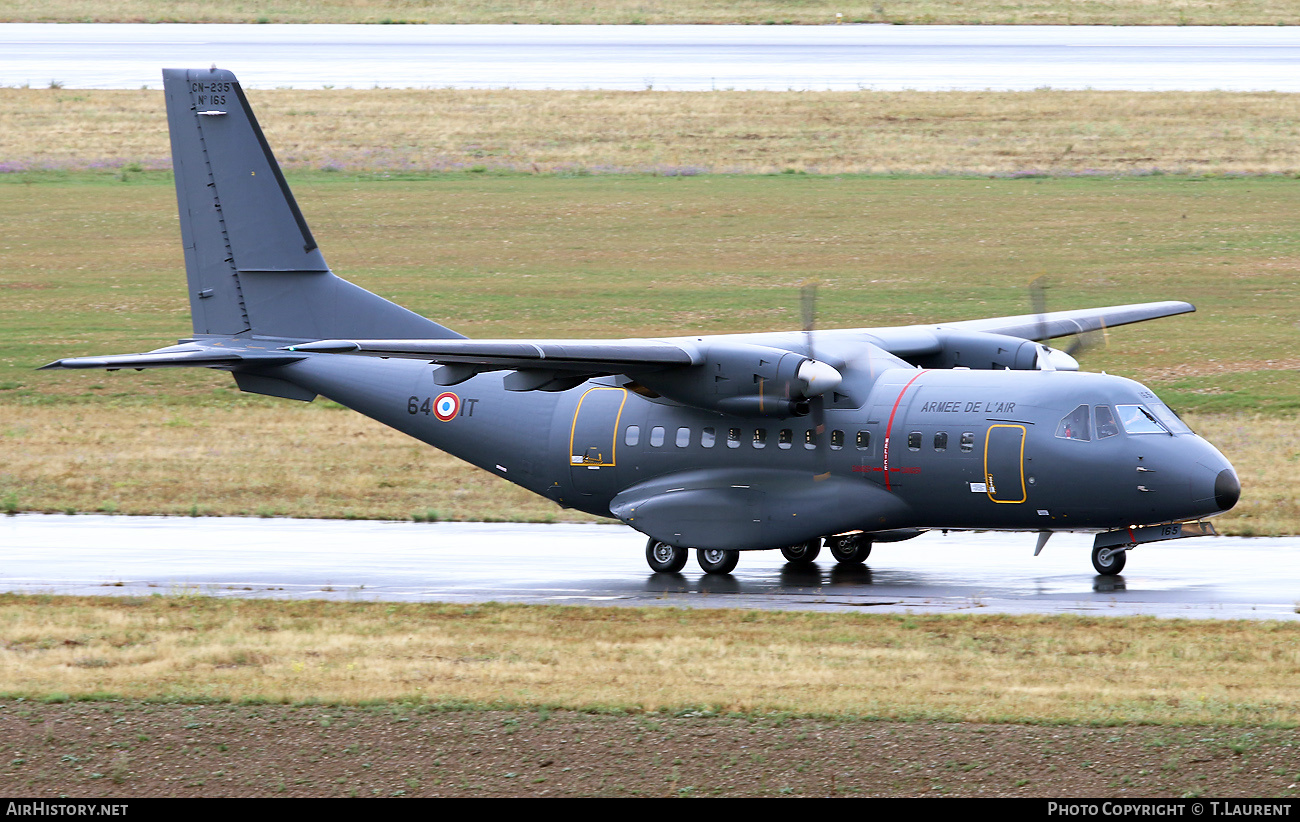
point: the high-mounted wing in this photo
(1012, 342)
(544, 365)
(591, 356)
(1055, 324)
(721, 374)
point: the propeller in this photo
(1063, 358)
(818, 372)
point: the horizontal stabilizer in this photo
(176, 358)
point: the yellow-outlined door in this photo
(593, 438)
(1004, 463)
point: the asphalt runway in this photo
(982, 572)
(680, 58)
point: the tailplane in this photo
(251, 262)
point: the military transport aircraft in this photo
(721, 443)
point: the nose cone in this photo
(1216, 485)
(1227, 489)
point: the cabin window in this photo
(914, 441)
(785, 438)
(633, 435)
(733, 437)
(941, 441)
(1074, 425)
(864, 440)
(657, 436)
(683, 437)
(1138, 420)
(760, 437)
(1106, 425)
(837, 440)
(967, 441)
(810, 439)
(707, 437)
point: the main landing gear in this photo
(664, 558)
(716, 560)
(669, 559)
(851, 549)
(802, 554)
(847, 550)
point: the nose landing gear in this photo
(1109, 561)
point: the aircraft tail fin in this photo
(251, 262)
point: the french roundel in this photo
(446, 406)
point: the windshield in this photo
(1168, 416)
(1136, 419)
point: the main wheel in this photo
(717, 560)
(850, 550)
(1109, 561)
(803, 553)
(664, 558)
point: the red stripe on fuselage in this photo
(890, 426)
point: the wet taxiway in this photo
(1208, 577)
(678, 58)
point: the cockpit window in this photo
(1106, 425)
(1138, 420)
(1074, 426)
(1168, 417)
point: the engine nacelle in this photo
(744, 379)
(982, 350)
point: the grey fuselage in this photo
(957, 449)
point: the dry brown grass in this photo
(310, 461)
(261, 460)
(1056, 132)
(1016, 12)
(1266, 453)
(975, 669)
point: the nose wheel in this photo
(1109, 561)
